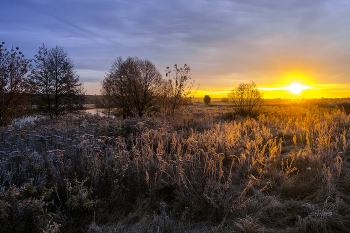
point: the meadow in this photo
(203, 169)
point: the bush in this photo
(245, 99)
(130, 85)
(207, 99)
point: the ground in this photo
(203, 170)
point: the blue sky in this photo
(225, 42)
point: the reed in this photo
(287, 169)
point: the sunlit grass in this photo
(203, 170)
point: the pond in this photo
(27, 119)
(93, 111)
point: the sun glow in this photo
(296, 88)
(293, 90)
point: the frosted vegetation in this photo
(197, 171)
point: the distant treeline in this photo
(325, 102)
(91, 99)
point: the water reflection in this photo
(94, 111)
(28, 119)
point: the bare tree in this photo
(245, 98)
(133, 84)
(178, 87)
(15, 88)
(58, 84)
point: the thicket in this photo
(245, 99)
(15, 89)
(285, 170)
(135, 86)
(131, 85)
(58, 89)
(47, 84)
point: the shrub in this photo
(133, 84)
(207, 99)
(245, 98)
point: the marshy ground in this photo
(201, 170)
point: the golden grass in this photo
(285, 170)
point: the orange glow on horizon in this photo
(296, 88)
(287, 86)
(283, 94)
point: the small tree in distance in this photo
(207, 99)
(245, 98)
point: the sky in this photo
(225, 42)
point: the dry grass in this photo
(287, 170)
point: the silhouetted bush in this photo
(245, 99)
(207, 99)
(133, 84)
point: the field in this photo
(201, 170)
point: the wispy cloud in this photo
(225, 42)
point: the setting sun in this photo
(296, 88)
(289, 88)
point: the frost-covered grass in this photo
(286, 170)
